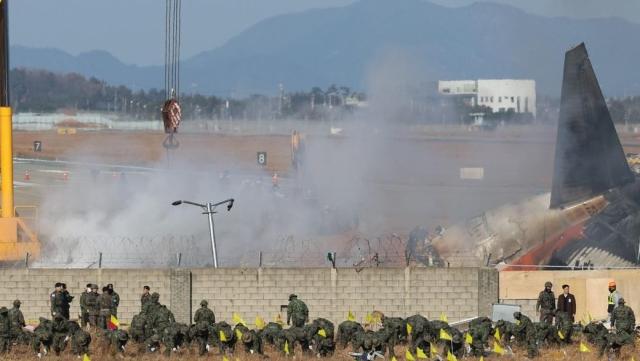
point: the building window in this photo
(492, 99)
(499, 99)
(513, 100)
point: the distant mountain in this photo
(339, 45)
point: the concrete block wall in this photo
(459, 292)
(331, 293)
(33, 286)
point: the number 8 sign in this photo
(262, 158)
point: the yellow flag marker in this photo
(433, 350)
(451, 357)
(444, 335)
(420, 353)
(497, 335)
(481, 358)
(443, 318)
(286, 347)
(238, 320)
(497, 349)
(322, 332)
(351, 316)
(238, 334)
(259, 323)
(408, 356)
(584, 348)
(223, 338)
(561, 335)
(368, 319)
(86, 357)
(409, 329)
(468, 338)
(225, 358)
(393, 358)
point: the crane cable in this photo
(171, 111)
(173, 27)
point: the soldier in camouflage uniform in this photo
(202, 332)
(230, 337)
(546, 334)
(56, 300)
(419, 331)
(5, 330)
(136, 330)
(84, 310)
(60, 331)
(297, 311)
(252, 342)
(597, 335)
(115, 300)
(346, 332)
(271, 332)
(93, 307)
(565, 327)
(396, 327)
(546, 304)
(116, 340)
(17, 324)
(507, 331)
(480, 329)
(80, 339)
(204, 314)
(624, 321)
(527, 331)
(42, 335)
(292, 336)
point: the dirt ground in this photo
(100, 352)
(145, 148)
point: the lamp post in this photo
(209, 209)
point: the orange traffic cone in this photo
(27, 175)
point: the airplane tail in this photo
(589, 159)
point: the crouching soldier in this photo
(42, 336)
(346, 332)
(80, 339)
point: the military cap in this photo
(517, 314)
(548, 284)
(292, 296)
(17, 303)
(204, 303)
(621, 301)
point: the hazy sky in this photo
(133, 30)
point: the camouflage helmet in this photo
(155, 297)
(3, 310)
(204, 303)
(517, 315)
(548, 284)
(292, 296)
(17, 303)
(621, 301)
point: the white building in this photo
(500, 95)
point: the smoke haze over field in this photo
(372, 180)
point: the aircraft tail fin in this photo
(589, 159)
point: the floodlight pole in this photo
(212, 234)
(209, 209)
